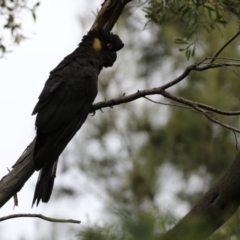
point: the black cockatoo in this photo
(65, 102)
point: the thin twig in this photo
(40, 216)
(198, 107)
(201, 105)
(233, 71)
(215, 120)
(223, 58)
(215, 65)
(168, 104)
(224, 46)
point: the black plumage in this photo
(65, 102)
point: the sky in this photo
(55, 34)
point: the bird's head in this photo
(106, 44)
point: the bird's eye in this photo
(109, 45)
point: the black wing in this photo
(63, 106)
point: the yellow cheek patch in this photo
(97, 44)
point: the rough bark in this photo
(212, 210)
(109, 14)
(21, 172)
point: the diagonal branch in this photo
(158, 91)
(212, 210)
(212, 119)
(180, 78)
(224, 46)
(217, 65)
(168, 104)
(110, 10)
(199, 108)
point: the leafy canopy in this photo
(191, 15)
(11, 13)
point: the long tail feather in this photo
(44, 186)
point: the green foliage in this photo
(11, 12)
(193, 15)
(139, 226)
(102, 233)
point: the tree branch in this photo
(224, 46)
(56, 220)
(212, 119)
(201, 105)
(109, 14)
(212, 210)
(169, 104)
(158, 91)
(198, 107)
(21, 172)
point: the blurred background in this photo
(133, 171)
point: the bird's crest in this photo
(97, 45)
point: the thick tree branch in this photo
(111, 10)
(21, 172)
(212, 210)
(55, 220)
